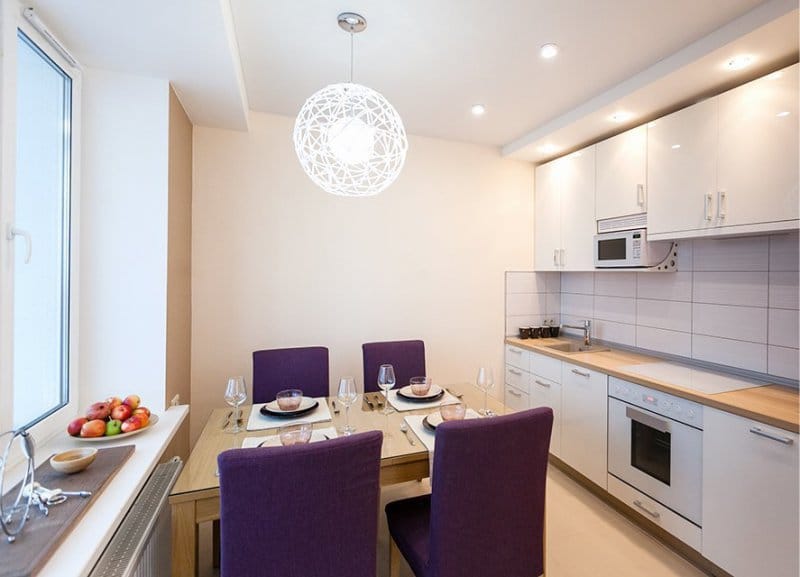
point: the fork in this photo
(455, 394)
(369, 402)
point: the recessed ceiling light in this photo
(676, 146)
(478, 110)
(739, 62)
(621, 116)
(548, 148)
(548, 51)
(783, 113)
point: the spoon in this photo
(404, 428)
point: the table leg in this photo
(184, 539)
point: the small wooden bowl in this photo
(74, 460)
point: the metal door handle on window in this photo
(14, 232)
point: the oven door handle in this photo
(648, 420)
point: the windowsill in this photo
(86, 541)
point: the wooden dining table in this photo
(195, 497)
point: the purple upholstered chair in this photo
(301, 511)
(485, 515)
(303, 368)
(407, 358)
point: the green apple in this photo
(113, 427)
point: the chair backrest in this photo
(488, 495)
(301, 510)
(303, 368)
(407, 358)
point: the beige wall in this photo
(278, 262)
(179, 265)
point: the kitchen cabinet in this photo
(545, 391)
(564, 221)
(750, 496)
(621, 174)
(728, 164)
(584, 418)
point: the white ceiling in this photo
(432, 60)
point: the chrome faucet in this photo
(587, 332)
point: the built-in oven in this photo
(655, 445)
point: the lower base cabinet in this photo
(547, 393)
(750, 496)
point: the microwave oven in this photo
(628, 249)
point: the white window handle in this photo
(14, 232)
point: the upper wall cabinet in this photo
(728, 165)
(564, 216)
(622, 175)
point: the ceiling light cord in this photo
(351, 54)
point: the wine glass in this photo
(235, 395)
(347, 395)
(386, 380)
(485, 381)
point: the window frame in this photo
(55, 421)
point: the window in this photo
(42, 211)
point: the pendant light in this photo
(349, 139)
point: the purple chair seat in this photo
(302, 511)
(485, 514)
(303, 368)
(407, 358)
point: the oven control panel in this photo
(676, 408)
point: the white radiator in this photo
(142, 545)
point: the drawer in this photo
(518, 357)
(654, 511)
(546, 367)
(515, 399)
(518, 378)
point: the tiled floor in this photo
(584, 537)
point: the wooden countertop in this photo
(776, 405)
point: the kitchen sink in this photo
(576, 347)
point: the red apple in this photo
(113, 402)
(132, 424)
(142, 416)
(121, 413)
(74, 428)
(99, 410)
(132, 401)
(141, 409)
(93, 428)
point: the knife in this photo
(369, 402)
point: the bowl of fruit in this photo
(113, 418)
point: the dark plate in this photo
(415, 399)
(287, 414)
(430, 426)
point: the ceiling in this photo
(432, 60)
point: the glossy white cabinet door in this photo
(622, 174)
(547, 217)
(547, 393)
(682, 169)
(584, 418)
(750, 496)
(758, 151)
(578, 225)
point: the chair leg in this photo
(215, 548)
(394, 559)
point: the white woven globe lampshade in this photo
(350, 140)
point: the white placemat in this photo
(258, 422)
(425, 435)
(401, 404)
(274, 440)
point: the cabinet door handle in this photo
(515, 351)
(562, 257)
(707, 201)
(581, 373)
(640, 194)
(515, 372)
(722, 204)
(653, 514)
(780, 438)
(647, 420)
(538, 382)
(515, 393)
(555, 257)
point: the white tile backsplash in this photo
(730, 322)
(731, 288)
(733, 301)
(783, 328)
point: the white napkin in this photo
(259, 422)
(274, 440)
(401, 404)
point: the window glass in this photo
(41, 209)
